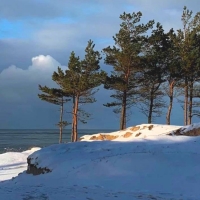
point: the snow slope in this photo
(139, 131)
(157, 166)
(13, 163)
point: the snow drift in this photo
(139, 131)
(12, 163)
(155, 164)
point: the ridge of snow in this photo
(154, 165)
(157, 130)
(185, 129)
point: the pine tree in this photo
(189, 53)
(153, 68)
(124, 57)
(194, 76)
(57, 97)
(196, 101)
(81, 80)
(172, 75)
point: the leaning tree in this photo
(58, 97)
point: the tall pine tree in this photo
(153, 68)
(124, 57)
(172, 75)
(81, 80)
(188, 40)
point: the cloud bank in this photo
(20, 106)
(55, 28)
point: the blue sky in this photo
(37, 36)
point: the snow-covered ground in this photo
(151, 165)
(140, 131)
(13, 163)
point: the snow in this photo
(188, 128)
(13, 163)
(144, 131)
(153, 165)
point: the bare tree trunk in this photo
(72, 133)
(121, 119)
(190, 103)
(124, 117)
(76, 119)
(171, 97)
(61, 121)
(150, 108)
(186, 103)
(123, 113)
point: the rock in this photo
(127, 134)
(103, 137)
(33, 169)
(135, 128)
(150, 127)
(183, 131)
(194, 132)
(138, 134)
(144, 127)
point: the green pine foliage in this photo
(58, 97)
(146, 67)
(172, 73)
(189, 51)
(81, 80)
(124, 57)
(52, 95)
(152, 68)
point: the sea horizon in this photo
(18, 140)
(55, 129)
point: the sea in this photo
(18, 140)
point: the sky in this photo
(38, 36)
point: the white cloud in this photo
(44, 63)
(18, 84)
(58, 27)
(21, 107)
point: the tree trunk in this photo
(150, 109)
(76, 119)
(190, 103)
(171, 97)
(123, 112)
(186, 103)
(61, 120)
(121, 119)
(72, 133)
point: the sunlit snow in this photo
(153, 165)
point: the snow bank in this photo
(13, 163)
(151, 165)
(131, 133)
(190, 130)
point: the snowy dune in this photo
(139, 131)
(13, 163)
(151, 165)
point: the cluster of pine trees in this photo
(148, 65)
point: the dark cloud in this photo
(48, 9)
(57, 35)
(21, 107)
(23, 9)
(56, 28)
